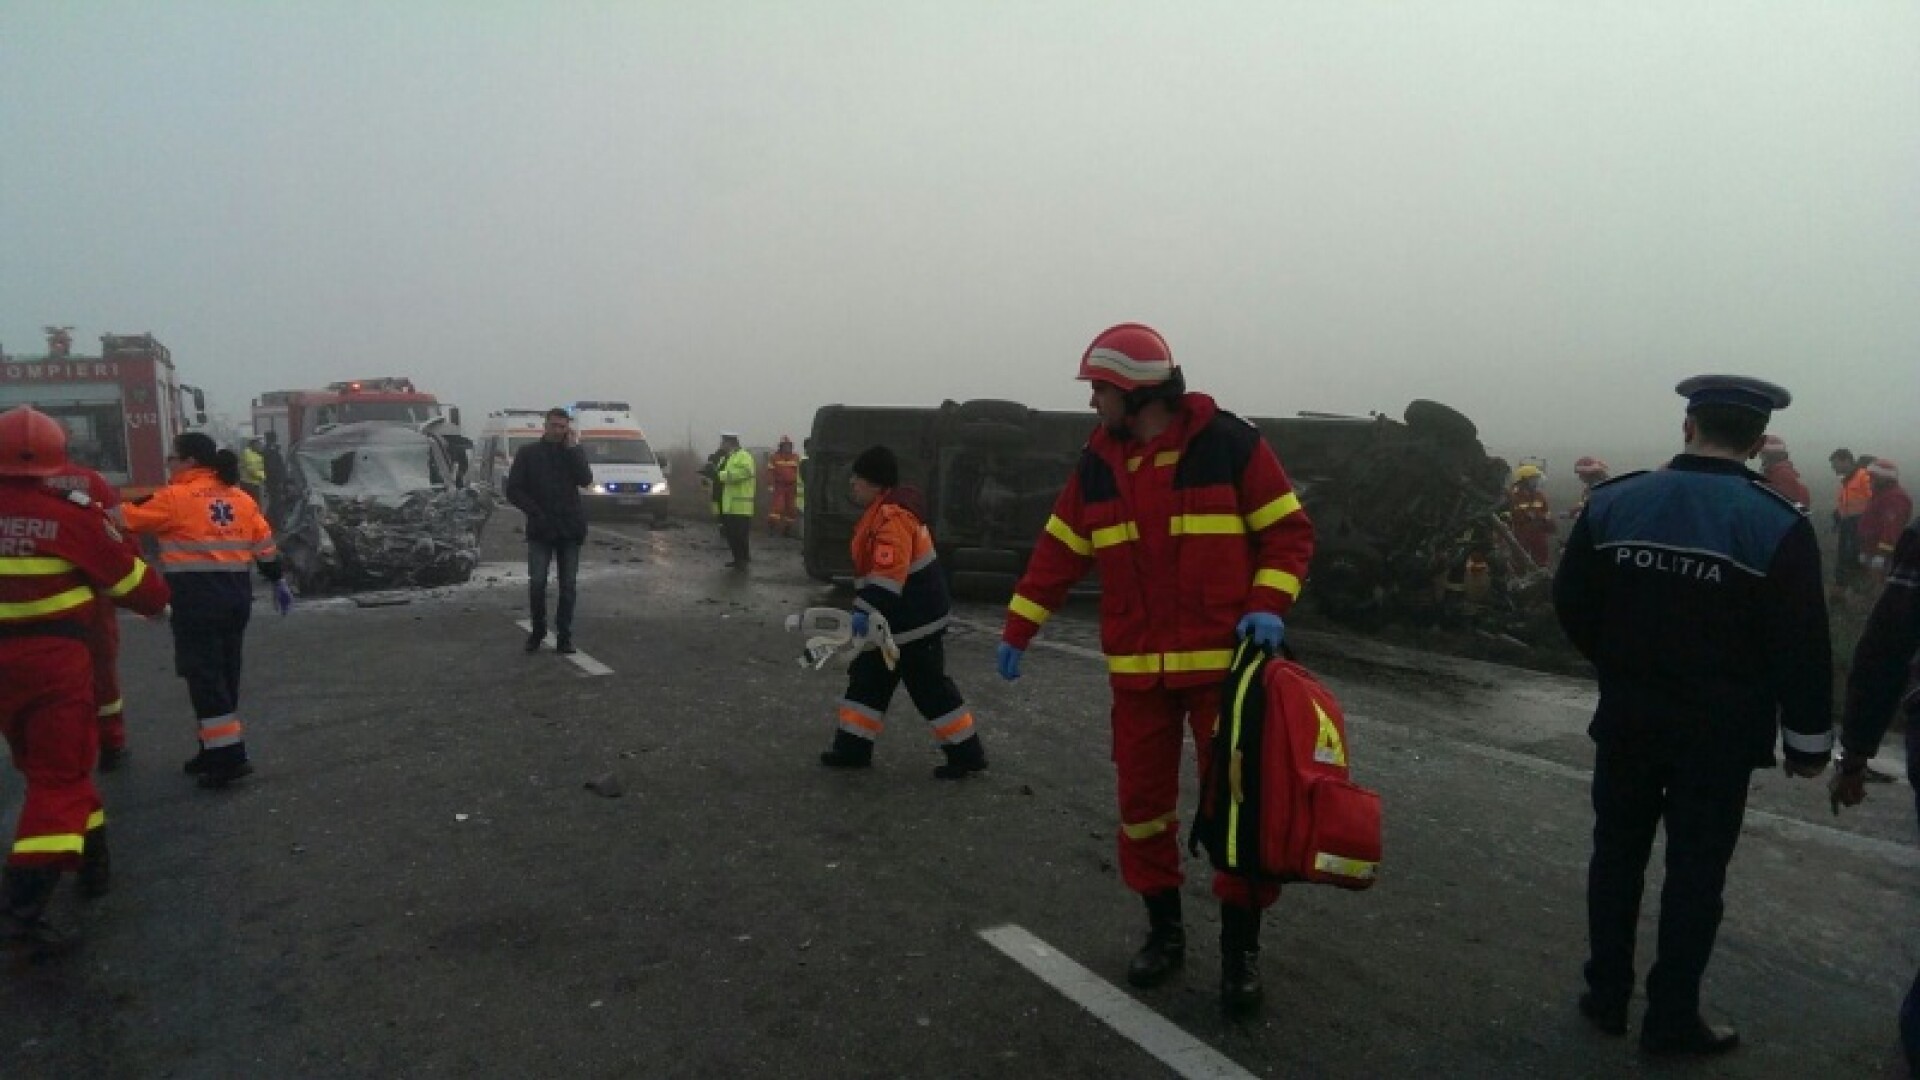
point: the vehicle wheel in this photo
(986, 435)
(986, 585)
(1437, 421)
(991, 411)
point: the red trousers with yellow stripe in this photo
(1149, 730)
(47, 714)
(104, 643)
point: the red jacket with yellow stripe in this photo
(1190, 531)
(55, 550)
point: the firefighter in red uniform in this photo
(1529, 515)
(1885, 518)
(1780, 473)
(1199, 539)
(211, 534)
(783, 467)
(59, 559)
(104, 642)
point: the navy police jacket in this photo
(1696, 593)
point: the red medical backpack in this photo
(1278, 804)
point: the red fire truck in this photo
(292, 415)
(121, 409)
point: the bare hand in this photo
(1847, 789)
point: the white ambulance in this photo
(506, 431)
(626, 474)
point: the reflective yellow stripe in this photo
(1146, 829)
(33, 566)
(1273, 511)
(132, 580)
(1064, 533)
(28, 609)
(1165, 458)
(1115, 534)
(1133, 464)
(1358, 869)
(1235, 773)
(1204, 660)
(1028, 610)
(1207, 525)
(1278, 579)
(96, 819)
(1171, 663)
(61, 844)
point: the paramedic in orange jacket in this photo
(783, 470)
(60, 558)
(211, 535)
(104, 642)
(898, 578)
(1856, 491)
(1199, 540)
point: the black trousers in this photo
(736, 528)
(923, 667)
(208, 652)
(1703, 804)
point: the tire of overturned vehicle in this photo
(1437, 421)
(990, 411)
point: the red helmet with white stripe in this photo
(31, 443)
(1128, 356)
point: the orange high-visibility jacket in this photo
(210, 536)
(1856, 491)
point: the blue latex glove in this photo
(282, 597)
(859, 623)
(1008, 661)
(1264, 627)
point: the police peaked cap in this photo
(1739, 391)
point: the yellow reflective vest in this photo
(735, 478)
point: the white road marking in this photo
(581, 660)
(1187, 1056)
(1899, 854)
(628, 537)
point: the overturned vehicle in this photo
(1407, 513)
(374, 506)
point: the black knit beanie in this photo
(876, 465)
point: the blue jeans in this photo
(540, 555)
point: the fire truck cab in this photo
(293, 415)
(121, 408)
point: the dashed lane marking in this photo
(1187, 1056)
(580, 660)
(1898, 854)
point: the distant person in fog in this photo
(545, 482)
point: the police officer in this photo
(1695, 591)
(1887, 653)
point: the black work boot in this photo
(1240, 989)
(195, 764)
(534, 637)
(564, 645)
(1166, 947)
(24, 923)
(964, 758)
(96, 867)
(847, 752)
(222, 766)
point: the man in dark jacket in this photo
(1883, 665)
(545, 484)
(1695, 590)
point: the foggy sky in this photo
(1543, 214)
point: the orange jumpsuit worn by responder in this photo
(1529, 515)
(210, 535)
(104, 642)
(783, 469)
(1199, 539)
(59, 559)
(1856, 491)
(897, 577)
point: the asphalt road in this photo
(418, 881)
